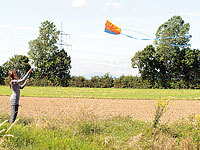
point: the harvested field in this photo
(72, 107)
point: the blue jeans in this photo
(14, 112)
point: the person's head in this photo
(12, 74)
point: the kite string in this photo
(136, 32)
(113, 29)
(134, 37)
(164, 38)
(161, 39)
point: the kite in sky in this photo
(113, 29)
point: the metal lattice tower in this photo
(63, 39)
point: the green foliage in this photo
(146, 63)
(105, 81)
(108, 81)
(51, 64)
(59, 67)
(114, 133)
(19, 63)
(129, 82)
(174, 27)
(43, 46)
(90, 127)
(7, 80)
(161, 108)
(2, 76)
(92, 134)
(41, 82)
(166, 66)
(79, 81)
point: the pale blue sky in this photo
(93, 50)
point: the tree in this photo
(174, 27)
(50, 63)
(146, 62)
(2, 76)
(165, 64)
(107, 81)
(44, 46)
(78, 81)
(59, 65)
(19, 63)
(192, 63)
(172, 56)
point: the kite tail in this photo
(156, 39)
(135, 37)
(137, 32)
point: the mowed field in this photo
(60, 102)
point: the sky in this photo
(93, 51)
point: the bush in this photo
(78, 81)
(108, 81)
(7, 81)
(105, 81)
(1, 76)
(41, 82)
(130, 82)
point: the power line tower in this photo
(63, 39)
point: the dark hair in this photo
(11, 75)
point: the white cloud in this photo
(79, 3)
(113, 4)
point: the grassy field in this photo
(90, 132)
(78, 135)
(110, 93)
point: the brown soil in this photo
(72, 107)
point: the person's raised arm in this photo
(23, 85)
(25, 77)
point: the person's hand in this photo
(30, 71)
(27, 81)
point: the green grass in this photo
(79, 135)
(114, 133)
(110, 93)
(90, 132)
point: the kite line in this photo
(113, 29)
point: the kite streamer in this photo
(137, 32)
(113, 29)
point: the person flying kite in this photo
(15, 85)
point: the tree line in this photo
(107, 81)
(162, 64)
